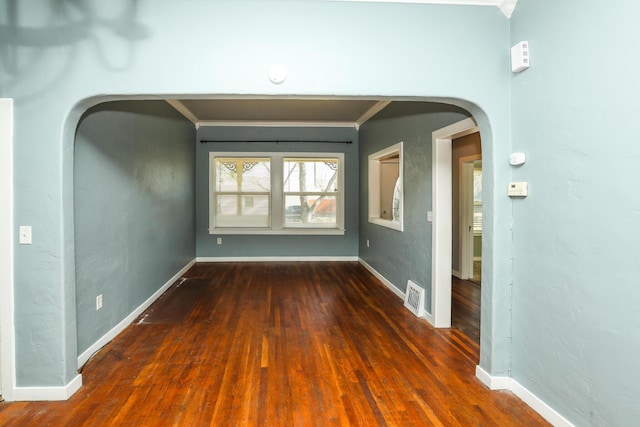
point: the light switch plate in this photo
(25, 234)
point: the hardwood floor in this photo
(280, 344)
(465, 307)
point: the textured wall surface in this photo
(576, 299)
(134, 198)
(167, 48)
(401, 256)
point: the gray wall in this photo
(402, 256)
(411, 51)
(576, 294)
(134, 208)
(279, 245)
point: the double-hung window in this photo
(276, 193)
(242, 194)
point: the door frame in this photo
(442, 219)
(7, 337)
(465, 204)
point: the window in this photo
(386, 187)
(276, 193)
(310, 192)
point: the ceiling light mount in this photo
(277, 74)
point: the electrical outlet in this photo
(367, 242)
(219, 241)
(99, 302)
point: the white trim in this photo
(275, 123)
(537, 404)
(442, 219)
(48, 393)
(465, 214)
(276, 222)
(494, 383)
(456, 273)
(279, 259)
(7, 327)
(424, 314)
(291, 231)
(182, 109)
(106, 338)
(373, 187)
(377, 107)
(506, 6)
(383, 279)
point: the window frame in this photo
(277, 210)
(375, 160)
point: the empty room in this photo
(247, 213)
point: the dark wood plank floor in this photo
(465, 307)
(280, 344)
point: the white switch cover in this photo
(219, 240)
(518, 189)
(25, 234)
(430, 216)
(99, 302)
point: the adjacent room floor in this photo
(280, 344)
(465, 307)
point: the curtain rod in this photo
(205, 141)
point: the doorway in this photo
(441, 258)
(466, 266)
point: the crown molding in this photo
(506, 6)
(275, 123)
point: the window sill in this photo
(283, 232)
(386, 223)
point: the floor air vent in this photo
(414, 298)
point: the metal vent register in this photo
(414, 298)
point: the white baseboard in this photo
(456, 273)
(494, 383)
(383, 279)
(278, 258)
(429, 318)
(537, 404)
(425, 315)
(86, 355)
(47, 393)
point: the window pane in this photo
(242, 175)
(316, 210)
(311, 175)
(242, 211)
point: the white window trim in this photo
(374, 187)
(277, 196)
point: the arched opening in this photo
(143, 124)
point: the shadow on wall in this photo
(26, 45)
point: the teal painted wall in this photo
(576, 299)
(266, 246)
(406, 255)
(165, 48)
(134, 196)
